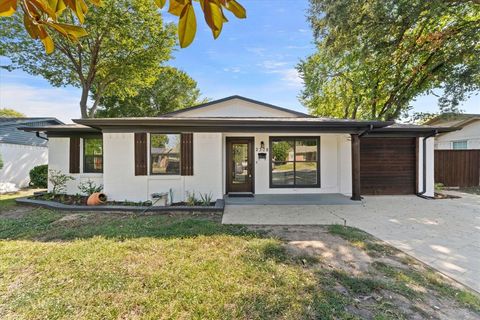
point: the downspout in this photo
(424, 165)
(364, 132)
(37, 133)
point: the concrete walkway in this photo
(442, 233)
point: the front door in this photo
(240, 168)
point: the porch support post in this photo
(355, 168)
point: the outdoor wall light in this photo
(262, 146)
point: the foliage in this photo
(123, 52)
(280, 151)
(41, 18)
(89, 187)
(375, 57)
(1, 162)
(191, 199)
(59, 181)
(206, 199)
(173, 90)
(10, 113)
(39, 176)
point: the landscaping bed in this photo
(79, 203)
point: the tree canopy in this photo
(123, 52)
(172, 90)
(11, 113)
(375, 57)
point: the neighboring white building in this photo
(468, 137)
(20, 150)
(241, 146)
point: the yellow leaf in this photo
(31, 28)
(46, 39)
(187, 26)
(176, 7)
(57, 5)
(44, 6)
(237, 9)
(7, 7)
(160, 3)
(213, 16)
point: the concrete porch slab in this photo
(292, 199)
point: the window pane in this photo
(457, 145)
(283, 151)
(165, 153)
(93, 155)
(306, 150)
(240, 163)
(282, 173)
(166, 163)
(306, 173)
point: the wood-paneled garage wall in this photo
(387, 166)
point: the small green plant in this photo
(439, 186)
(1, 162)
(59, 181)
(89, 187)
(191, 199)
(206, 199)
(39, 176)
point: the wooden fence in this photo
(457, 168)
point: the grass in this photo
(361, 240)
(56, 265)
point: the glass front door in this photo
(239, 165)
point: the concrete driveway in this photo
(445, 234)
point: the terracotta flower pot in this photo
(96, 199)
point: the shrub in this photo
(206, 199)
(89, 187)
(191, 199)
(58, 181)
(39, 176)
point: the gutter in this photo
(424, 171)
(37, 133)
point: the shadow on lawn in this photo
(27, 223)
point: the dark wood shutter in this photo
(186, 154)
(74, 155)
(140, 154)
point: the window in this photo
(92, 155)
(294, 162)
(164, 153)
(459, 145)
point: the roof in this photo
(415, 128)
(62, 128)
(454, 119)
(268, 105)
(10, 133)
(233, 124)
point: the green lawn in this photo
(56, 265)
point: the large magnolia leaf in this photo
(160, 3)
(236, 8)
(176, 7)
(187, 26)
(7, 7)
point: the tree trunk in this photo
(83, 102)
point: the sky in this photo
(254, 57)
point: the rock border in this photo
(218, 207)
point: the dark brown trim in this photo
(74, 157)
(186, 154)
(417, 158)
(251, 155)
(84, 155)
(355, 167)
(280, 138)
(203, 105)
(140, 145)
